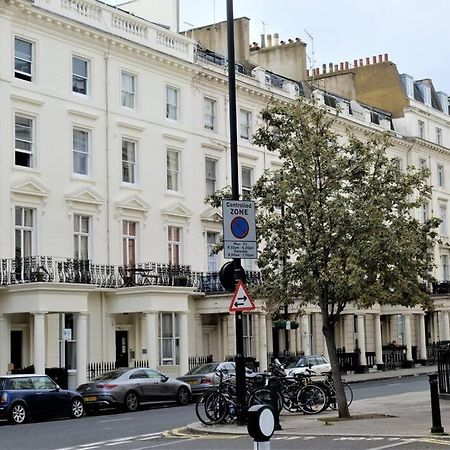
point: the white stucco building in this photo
(113, 129)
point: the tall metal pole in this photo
(239, 358)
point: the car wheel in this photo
(183, 396)
(131, 401)
(18, 413)
(76, 408)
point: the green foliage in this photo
(336, 222)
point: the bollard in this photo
(435, 409)
(273, 386)
(260, 426)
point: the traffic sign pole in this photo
(239, 359)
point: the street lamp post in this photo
(239, 358)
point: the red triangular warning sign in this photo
(241, 300)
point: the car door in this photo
(50, 401)
(322, 365)
(163, 389)
(139, 380)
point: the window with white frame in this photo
(24, 231)
(169, 339)
(81, 236)
(247, 181)
(174, 244)
(212, 239)
(245, 121)
(398, 163)
(24, 141)
(23, 59)
(439, 136)
(68, 341)
(424, 215)
(172, 103)
(445, 268)
(80, 75)
(128, 161)
(247, 325)
(423, 163)
(128, 90)
(80, 151)
(421, 129)
(443, 217)
(210, 175)
(209, 114)
(129, 242)
(440, 175)
(173, 170)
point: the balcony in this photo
(46, 269)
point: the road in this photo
(164, 427)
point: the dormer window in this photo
(425, 91)
(408, 84)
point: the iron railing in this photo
(197, 360)
(67, 270)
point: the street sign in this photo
(241, 300)
(239, 229)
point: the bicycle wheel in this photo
(311, 399)
(261, 396)
(211, 408)
(348, 396)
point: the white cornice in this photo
(31, 101)
(84, 114)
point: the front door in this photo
(16, 348)
(121, 348)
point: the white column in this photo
(199, 350)
(152, 340)
(446, 326)
(81, 346)
(262, 342)
(184, 343)
(269, 334)
(5, 348)
(378, 341)
(393, 328)
(306, 332)
(422, 338)
(362, 340)
(408, 337)
(39, 342)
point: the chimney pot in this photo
(361, 62)
(317, 71)
(336, 67)
(290, 41)
(355, 63)
(346, 65)
(324, 68)
(330, 67)
(374, 59)
(341, 66)
(282, 42)
(276, 38)
(263, 41)
(367, 61)
(269, 40)
(386, 57)
(307, 72)
(380, 58)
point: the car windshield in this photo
(110, 375)
(204, 368)
(296, 363)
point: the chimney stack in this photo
(341, 66)
(380, 58)
(263, 41)
(330, 67)
(386, 57)
(374, 59)
(324, 68)
(269, 40)
(346, 65)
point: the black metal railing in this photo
(197, 360)
(441, 287)
(443, 363)
(95, 369)
(68, 270)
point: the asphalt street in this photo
(164, 427)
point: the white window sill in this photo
(27, 169)
(84, 178)
(175, 194)
(131, 186)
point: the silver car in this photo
(128, 388)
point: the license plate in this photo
(193, 381)
(90, 399)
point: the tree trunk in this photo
(328, 331)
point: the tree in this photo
(347, 233)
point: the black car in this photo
(23, 397)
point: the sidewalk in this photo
(402, 415)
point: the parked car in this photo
(203, 377)
(130, 387)
(315, 363)
(23, 397)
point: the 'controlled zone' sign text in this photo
(239, 229)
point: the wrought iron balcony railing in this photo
(47, 269)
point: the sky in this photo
(415, 33)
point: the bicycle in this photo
(328, 386)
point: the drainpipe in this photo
(108, 232)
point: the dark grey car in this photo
(128, 388)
